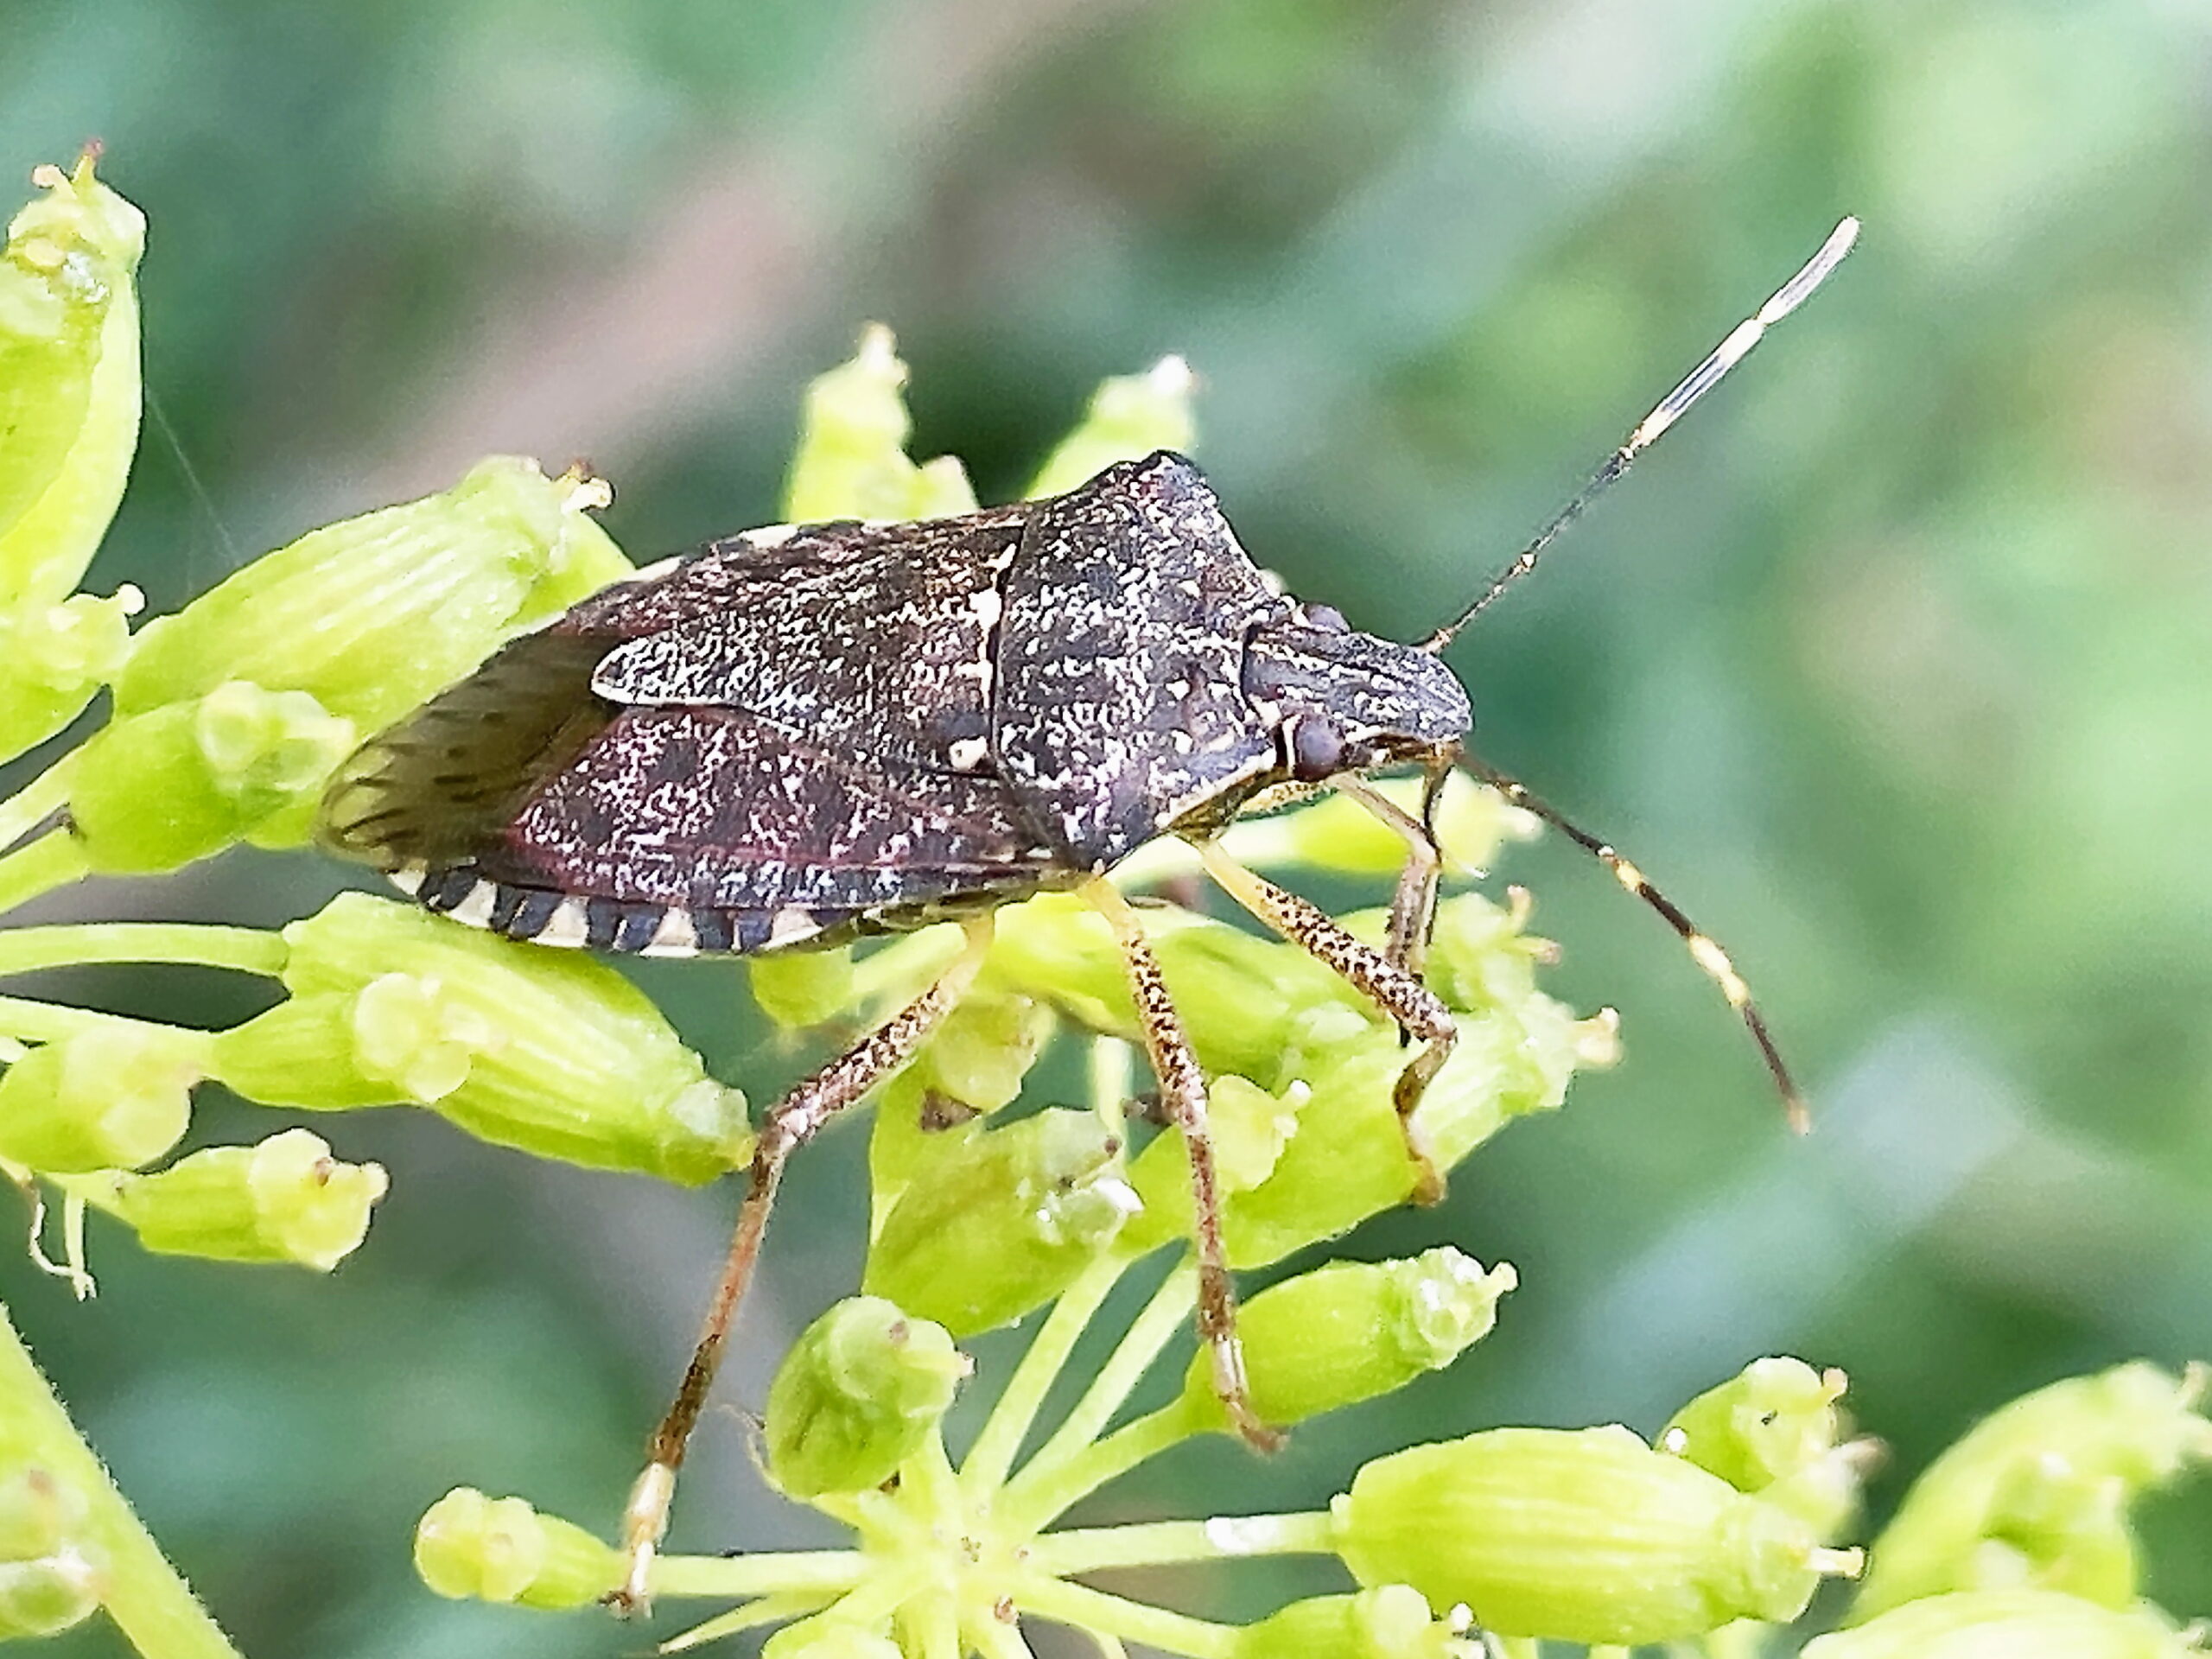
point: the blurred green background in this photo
(1893, 664)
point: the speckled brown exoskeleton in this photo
(800, 735)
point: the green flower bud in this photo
(828, 1638)
(1238, 994)
(2007, 1624)
(111, 1099)
(1346, 1158)
(154, 791)
(1774, 1418)
(1248, 1127)
(55, 657)
(859, 1393)
(1354, 1331)
(1005, 1224)
(468, 1545)
(1774, 1430)
(973, 1065)
(1472, 822)
(69, 389)
(285, 1199)
(1129, 417)
(47, 1595)
(801, 988)
(1587, 1536)
(551, 1052)
(373, 615)
(2036, 1493)
(38, 1515)
(851, 460)
(1388, 1622)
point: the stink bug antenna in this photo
(1671, 408)
(1703, 947)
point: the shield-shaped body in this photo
(800, 734)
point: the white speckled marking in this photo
(967, 753)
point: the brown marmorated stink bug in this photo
(803, 734)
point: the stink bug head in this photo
(1348, 703)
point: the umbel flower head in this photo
(999, 1192)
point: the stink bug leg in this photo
(1183, 1094)
(790, 1124)
(1413, 908)
(1397, 991)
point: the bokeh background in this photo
(1894, 663)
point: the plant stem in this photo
(1150, 1331)
(1041, 1494)
(824, 1572)
(149, 1602)
(984, 1469)
(241, 949)
(1083, 1608)
(1169, 1543)
(769, 1610)
(53, 861)
(50, 1022)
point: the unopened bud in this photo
(1354, 1330)
(468, 1545)
(47, 1595)
(156, 790)
(2008, 1624)
(284, 1199)
(851, 460)
(2037, 1493)
(799, 989)
(1774, 1418)
(550, 1051)
(1585, 1535)
(69, 383)
(859, 1393)
(1003, 1224)
(373, 615)
(38, 1515)
(54, 659)
(1388, 1622)
(1471, 822)
(109, 1099)
(1129, 417)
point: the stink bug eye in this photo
(800, 735)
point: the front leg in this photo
(1399, 993)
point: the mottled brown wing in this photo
(666, 831)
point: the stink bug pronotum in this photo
(800, 735)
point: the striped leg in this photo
(1413, 907)
(1183, 1093)
(1703, 949)
(789, 1125)
(1395, 989)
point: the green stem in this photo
(241, 949)
(1150, 1331)
(994, 1639)
(53, 861)
(149, 1602)
(933, 1624)
(772, 1572)
(1041, 1494)
(1169, 1543)
(988, 1460)
(23, 811)
(769, 1610)
(1082, 1608)
(50, 1022)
